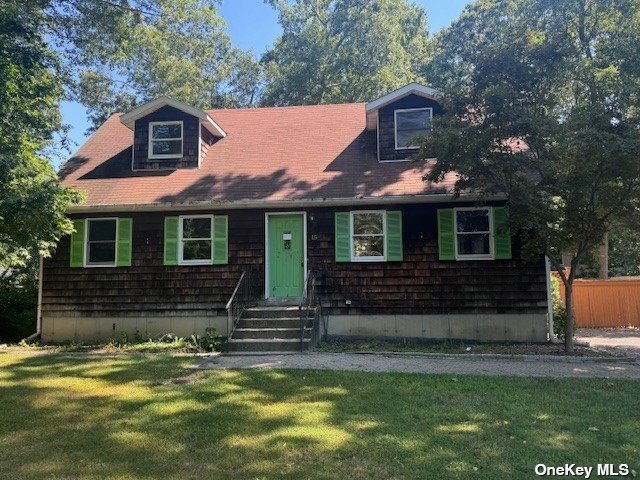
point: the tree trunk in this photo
(568, 329)
(603, 258)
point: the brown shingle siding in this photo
(420, 284)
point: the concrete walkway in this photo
(617, 341)
(520, 367)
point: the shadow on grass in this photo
(93, 417)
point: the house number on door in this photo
(286, 238)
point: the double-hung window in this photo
(196, 240)
(101, 242)
(474, 233)
(473, 229)
(410, 125)
(368, 236)
(165, 139)
(196, 244)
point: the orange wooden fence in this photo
(606, 303)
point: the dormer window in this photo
(410, 125)
(165, 139)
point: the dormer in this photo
(168, 135)
(400, 119)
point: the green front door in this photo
(285, 255)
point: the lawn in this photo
(90, 416)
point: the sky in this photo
(253, 25)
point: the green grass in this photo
(89, 416)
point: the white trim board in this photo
(266, 247)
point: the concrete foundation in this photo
(90, 329)
(506, 327)
(499, 328)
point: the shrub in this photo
(209, 342)
(559, 310)
(18, 307)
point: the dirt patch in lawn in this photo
(463, 348)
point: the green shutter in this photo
(501, 236)
(394, 236)
(171, 240)
(125, 232)
(342, 236)
(220, 240)
(446, 234)
(76, 257)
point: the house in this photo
(180, 202)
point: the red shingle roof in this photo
(269, 154)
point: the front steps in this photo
(269, 329)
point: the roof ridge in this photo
(285, 107)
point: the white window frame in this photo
(151, 140)
(181, 260)
(484, 256)
(87, 264)
(355, 258)
(395, 124)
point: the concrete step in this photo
(269, 323)
(267, 333)
(279, 302)
(272, 312)
(266, 345)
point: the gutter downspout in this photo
(551, 334)
(39, 309)
(34, 336)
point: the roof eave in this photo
(213, 128)
(413, 88)
(299, 203)
(128, 119)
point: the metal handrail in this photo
(240, 298)
(303, 297)
(307, 302)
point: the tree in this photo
(118, 54)
(543, 107)
(344, 50)
(32, 202)
(623, 254)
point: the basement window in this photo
(165, 139)
(196, 234)
(473, 233)
(101, 242)
(410, 125)
(367, 236)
